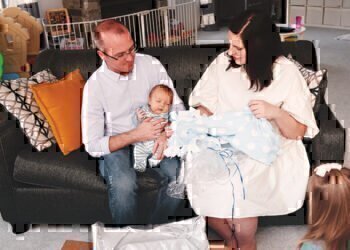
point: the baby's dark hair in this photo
(165, 88)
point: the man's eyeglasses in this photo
(132, 50)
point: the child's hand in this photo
(168, 131)
(140, 114)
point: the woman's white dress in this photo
(266, 190)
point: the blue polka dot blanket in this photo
(230, 135)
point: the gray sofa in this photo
(47, 187)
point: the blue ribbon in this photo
(227, 154)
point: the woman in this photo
(253, 73)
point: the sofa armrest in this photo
(11, 142)
(329, 144)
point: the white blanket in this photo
(187, 234)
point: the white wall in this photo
(48, 4)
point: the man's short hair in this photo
(105, 26)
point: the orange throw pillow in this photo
(60, 102)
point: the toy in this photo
(30, 23)
(13, 46)
(58, 16)
(72, 43)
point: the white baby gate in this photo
(166, 26)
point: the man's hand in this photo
(149, 129)
(159, 146)
(262, 109)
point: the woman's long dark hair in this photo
(262, 43)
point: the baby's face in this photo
(159, 101)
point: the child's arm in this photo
(161, 143)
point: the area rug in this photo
(345, 37)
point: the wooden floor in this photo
(81, 245)
(76, 245)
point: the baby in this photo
(159, 103)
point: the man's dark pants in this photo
(120, 176)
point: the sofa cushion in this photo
(312, 78)
(303, 51)
(62, 62)
(52, 169)
(76, 170)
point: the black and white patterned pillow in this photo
(17, 97)
(312, 78)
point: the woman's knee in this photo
(221, 227)
(245, 229)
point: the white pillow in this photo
(17, 97)
(312, 78)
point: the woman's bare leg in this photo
(222, 227)
(244, 230)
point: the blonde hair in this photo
(329, 209)
(105, 26)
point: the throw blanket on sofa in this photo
(230, 135)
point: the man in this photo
(111, 96)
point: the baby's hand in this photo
(168, 131)
(140, 114)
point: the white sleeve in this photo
(206, 91)
(93, 122)
(298, 101)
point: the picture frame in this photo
(59, 18)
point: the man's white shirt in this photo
(110, 101)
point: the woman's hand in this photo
(262, 109)
(204, 110)
(288, 126)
